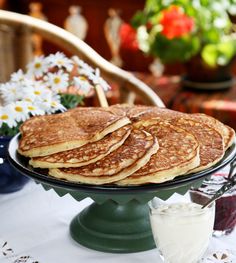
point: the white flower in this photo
(97, 80)
(38, 67)
(100, 81)
(94, 75)
(9, 92)
(18, 76)
(7, 116)
(58, 82)
(56, 106)
(82, 84)
(35, 109)
(84, 68)
(50, 103)
(35, 94)
(20, 110)
(60, 60)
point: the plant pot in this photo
(200, 75)
(10, 179)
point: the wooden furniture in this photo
(129, 84)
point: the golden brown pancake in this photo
(227, 132)
(231, 136)
(48, 134)
(132, 155)
(178, 153)
(210, 141)
(213, 136)
(86, 154)
(136, 113)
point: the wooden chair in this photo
(25, 25)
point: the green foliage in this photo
(5, 130)
(71, 100)
(211, 37)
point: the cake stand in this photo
(118, 219)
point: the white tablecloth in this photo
(34, 227)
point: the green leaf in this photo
(71, 100)
(5, 130)
(209, 55)
(219, 54)
(139, 19)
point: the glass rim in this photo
(153, 210)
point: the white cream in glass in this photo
(181, 230)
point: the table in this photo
(220, 104)
(34, 228)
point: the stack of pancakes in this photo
(124, 145)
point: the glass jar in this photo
(225, 217)
(181, 230)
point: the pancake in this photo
(211, 142)
(49, 134)
(213, 136)
(178, 153)
(128, 158)
(137, 113)
(86, 154)
(231, 136)
(227, 133)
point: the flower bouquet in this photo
(50, 85)
(184, 31)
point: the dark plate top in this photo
(40, 175)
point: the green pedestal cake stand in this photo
(118, 220)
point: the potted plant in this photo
(196, 33)
(50, 85)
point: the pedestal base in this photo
(111, 227)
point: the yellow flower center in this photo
(18, 108)
(82, 78)
(4, 117)
(37, 92)
(37, 65)
(57, 80)
(31, 108)
(53, 104)
(29, 100)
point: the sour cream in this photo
(182, 231)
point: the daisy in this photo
(38, 67)
(29, 90)
(7, 116)
(84, 68)
(38, 92)
(56, 106)
(58, 81)
(60, 60)
(97, 80)
(82, 84)
(51, 104)
(44, 101)
(9, 92)
(20, 110)
(18, 76)
(35, 109)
